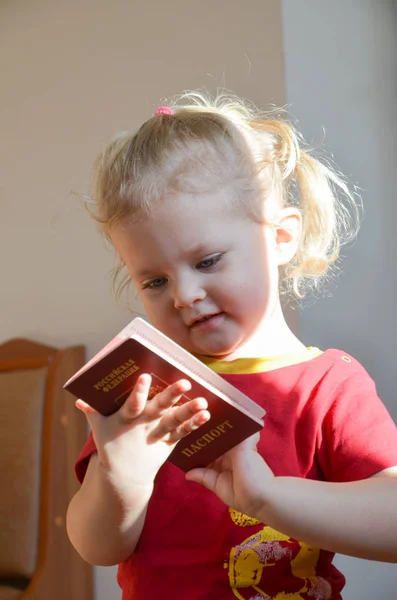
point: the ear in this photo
(287, 231)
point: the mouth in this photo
(197, 322)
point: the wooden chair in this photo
(41, 434)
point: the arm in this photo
(357, 518)
(106, 516)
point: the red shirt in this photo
(323, 421)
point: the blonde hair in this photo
(230, 141)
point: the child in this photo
(212, 210)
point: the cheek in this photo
(149, 307)
(157, 309)
(253, 290)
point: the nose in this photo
(187, 291)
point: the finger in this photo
(246, 447)
(207, 477)
(91, 414)
(136, 401)
(254, 439)
(198, 475)
(84, 407)
(178, 415)
(181, 420)
(172, 432)
(223, 463)
(170, 396)
(188, 426)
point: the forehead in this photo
(191, 211)
(180, 225)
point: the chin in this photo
(219, 352)
(216, 346)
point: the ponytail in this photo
(330, 213)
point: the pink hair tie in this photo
(164, 110)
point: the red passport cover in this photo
(107, 383)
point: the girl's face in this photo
(206, 273)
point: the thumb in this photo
(204, 476)
(91, 414)
(252, 441)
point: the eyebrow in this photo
(144, 274)
(198, 250)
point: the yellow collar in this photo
(243, 366)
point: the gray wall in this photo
(341, 73)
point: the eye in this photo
(208, 263)
(154, 284)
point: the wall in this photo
(73, 73)
(341, 73)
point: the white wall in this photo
(341, 73)
(73, 73)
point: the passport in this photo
(107, 380)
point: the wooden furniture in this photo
(41, 434)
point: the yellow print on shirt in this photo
(250, 560)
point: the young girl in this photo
(212, 209)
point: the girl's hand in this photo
(240, 478)
(135, 441)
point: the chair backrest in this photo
(41, 433)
